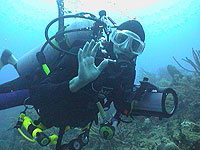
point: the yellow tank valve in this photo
(53, 139)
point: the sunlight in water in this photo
(112, 5)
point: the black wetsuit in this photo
(58, 106)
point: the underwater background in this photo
(172, 28)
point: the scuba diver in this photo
(82, 83)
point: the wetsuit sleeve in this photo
(46, 92)
(14, 93)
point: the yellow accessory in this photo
(36, 133)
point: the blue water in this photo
(172, 29)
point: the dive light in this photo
(161, 103)
(150, 100)
(35, 132)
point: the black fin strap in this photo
(60, 136)
(5, 56)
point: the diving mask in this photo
(127, 40)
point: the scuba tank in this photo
(73, 37)
(29, 63)
(85, 27)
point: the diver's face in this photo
(118, 51)
(127, 43)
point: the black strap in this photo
(5, 56)
(60, 39)
(60, 136)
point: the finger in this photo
(90, 47)
(94, 50)
(102, 65)
(80, 53)
(85, 49)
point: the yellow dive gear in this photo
(101, 110)
(107, 131)
(46, 69)
(35, 132)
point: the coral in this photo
(172, 70)
(195, 64)
(171, 146)
(188, 136)
(166, 144)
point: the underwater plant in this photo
(195, 64)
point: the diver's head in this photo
(128, 39)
